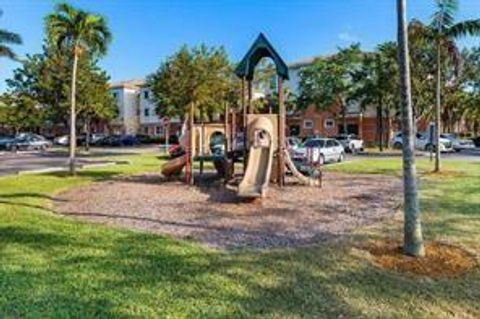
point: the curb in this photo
(62, 169)
(367, 154)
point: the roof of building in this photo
(139, 83)
(130, 84)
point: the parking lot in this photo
(57, 158)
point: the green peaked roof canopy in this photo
(261, 48)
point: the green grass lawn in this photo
(51, 266)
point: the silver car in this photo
(320, 151)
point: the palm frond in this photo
(464, 28)
(444, 17)
(10, 37)
(7, 52)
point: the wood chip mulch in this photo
(212, 214)
(440, 261)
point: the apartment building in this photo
(311, 121)
(137, 112)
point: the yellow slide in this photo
(257, 175)
(174, 166)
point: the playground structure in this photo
(264, 152)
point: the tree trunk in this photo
(413, 239)
(380, 127)
(437, 110)
(73, 135)
(344, 117)
(87, 134)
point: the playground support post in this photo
(244, 110)
(281, 134)
(192, 142)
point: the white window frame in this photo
(308, 124)
(329, 123)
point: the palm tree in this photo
(6, 38)
(76, 32)
(444, 32)
(413, 240)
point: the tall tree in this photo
(444, 33)
(20, 112)
(376, 87)
(41, 77)
(201, 75)
(413, 239)
(330, 81)
(7, 38)
(77, 32)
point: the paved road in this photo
(12, 163)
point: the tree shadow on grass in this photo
(132, 274)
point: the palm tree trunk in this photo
(437, 110)
(413, 239)
(73, 135)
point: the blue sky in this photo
(146, 31)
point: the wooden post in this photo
(225, 129)
(250, 106)
(233, 124)
(281, 134)
(192, 142)
(244, 108)
(201, 141)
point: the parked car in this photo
(62, 140)
(320, 150)
(458, 144)
(422, 142)
(476, 141)
(28, 141)
(4, 140)
(350, 142)
(110, 140)
(217, 144)
(293, 142)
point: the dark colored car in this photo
(476, 141)
(118, 140)
(5, 140)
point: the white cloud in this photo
(347, 36)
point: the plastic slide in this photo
(174, 166)
(257, 175)
(302, 178)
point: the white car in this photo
(422, 142)
(319, 151)
(351, 143)
(62, 140)
(457, 143)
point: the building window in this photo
(146, 130)
(329, 123)
(115, 95)
(158, 130)
(146, 112)
(145, 94)
(308, 124)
